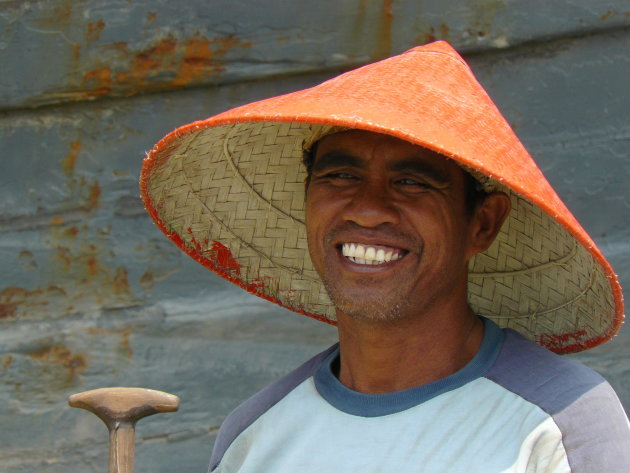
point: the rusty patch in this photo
(384, 44)
(11, 298)
(166, 64)
(146, 280)
(151, 16)
(71, 231)
(125, 338)
(76, 52)
(429, 36)
(58, 354)
(97, 82)
(444, 31)
(121, 281)
(93, 200)
(27, 260)
(7, 362)
(607, 15)
(95, 29)
(68, 163)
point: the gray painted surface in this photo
(93, 295)
(64, 50)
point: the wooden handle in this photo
(120, 409)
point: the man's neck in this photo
(381, 357)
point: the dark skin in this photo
(372, 190)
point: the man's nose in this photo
(370, 206)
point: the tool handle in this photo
(121, 447)
(120, 409)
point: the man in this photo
(418, 223)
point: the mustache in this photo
(384, 232)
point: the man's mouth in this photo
(371, 254)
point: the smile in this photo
(370, 255)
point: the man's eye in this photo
(340, 176)
(411, 182)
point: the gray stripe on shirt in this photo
(245, 414)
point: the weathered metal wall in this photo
(91, 294)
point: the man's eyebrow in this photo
(335, 159)
(414, 166)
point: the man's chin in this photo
(371, 309)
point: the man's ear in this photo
(487, 219)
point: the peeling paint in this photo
(97, 82)
(222, 255)
(166, 64)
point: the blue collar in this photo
(373, 405)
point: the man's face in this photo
(387, 225)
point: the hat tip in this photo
(439, 46)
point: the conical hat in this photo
(229, 191)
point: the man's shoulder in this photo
(254, 407)
(546, 379)
(581, 404)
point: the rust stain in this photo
(63, 254)
(147, 280)
(444, 31)
(167, 63)
(94, 197)
(121, 281)
(147, 62)
(429, 36)
(7, 362)
(97, 82)
(12, 298)
(91, 266)
(125, 338)
(71, 232)
(151, 16)
(384, 45)
(58, 354)
(607, 15)
(76, 52)
(68, 163)
(27, 260)
(202, 57)
(95, 29)
(484, 16)
(56, 221)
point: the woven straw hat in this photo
(229, 191)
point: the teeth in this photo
(370, 253)
(363, 254)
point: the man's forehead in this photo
(357, 146)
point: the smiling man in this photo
(396, 202)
